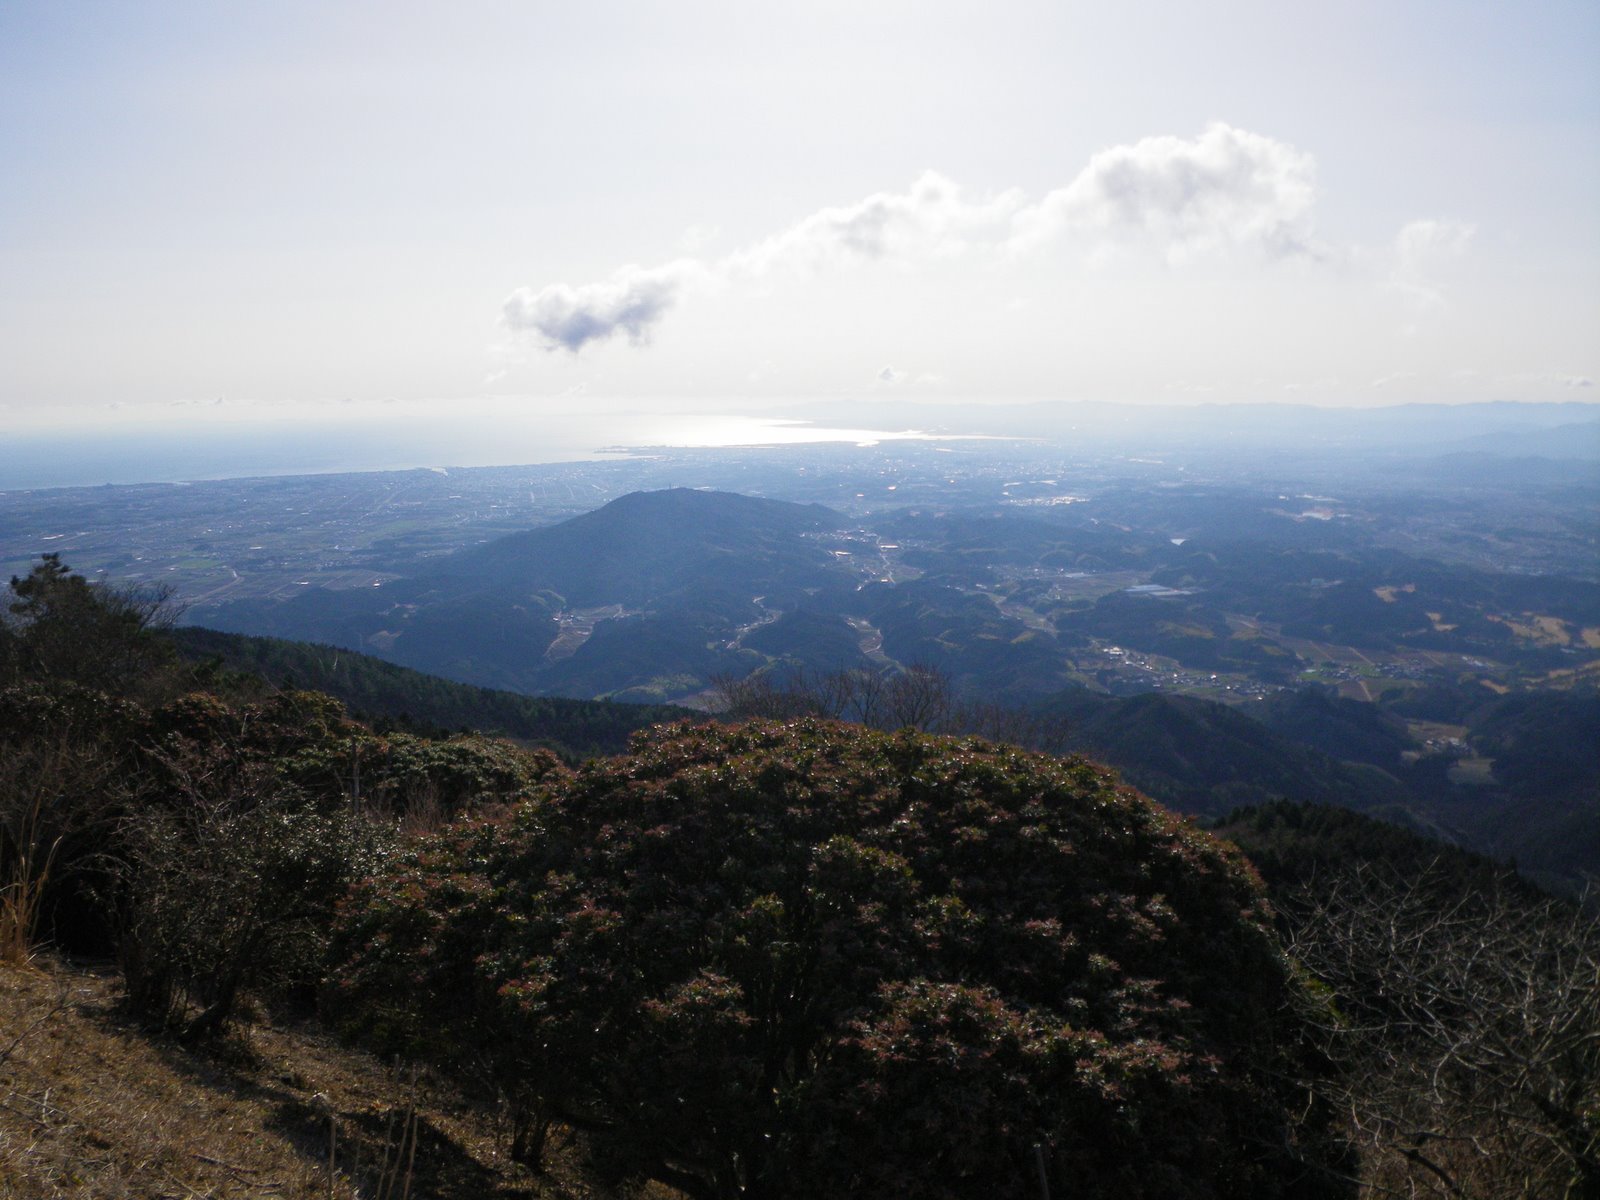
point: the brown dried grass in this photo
(90, 1109)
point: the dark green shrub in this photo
(229, 896)
(60, 629)
(403, 775)
(202, 745)
(810, 959)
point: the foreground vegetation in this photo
(793, 958)
(808, 959)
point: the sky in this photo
(303, 208)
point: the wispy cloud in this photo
(1393, 378)
(929, 220)
(1226, 189)
(1420, 248)
(697, 237)
(1549, 379)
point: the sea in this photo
(122, 451)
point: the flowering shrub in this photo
(810, 959)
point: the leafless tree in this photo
(998, 722)
(762, 695)
(1468, 1029)
(921, 696)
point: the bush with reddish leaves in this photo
(792, 960)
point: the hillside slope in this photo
(387, 693)
(586, 607)
(655, 549)
(1202, 757)
(92, 1108)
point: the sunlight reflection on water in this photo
(213, 444)
(714, 431)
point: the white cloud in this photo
(1327, 383)
(632, 301)
(1420, 248)
(1422, 243)
(890, 376)
(1549, 379)
(1395, 377)
(1228, 187)
(931, 219)
(1223, 191)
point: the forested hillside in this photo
(385, 694)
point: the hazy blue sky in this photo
(298, 204)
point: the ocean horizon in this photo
(133, 453)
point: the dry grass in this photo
(92, 1110)
(23, 886)
(19, 909)
(1390, 591)
(1567, 677)
(1540, 630)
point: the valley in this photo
(1155, 610)
(1117, 573)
